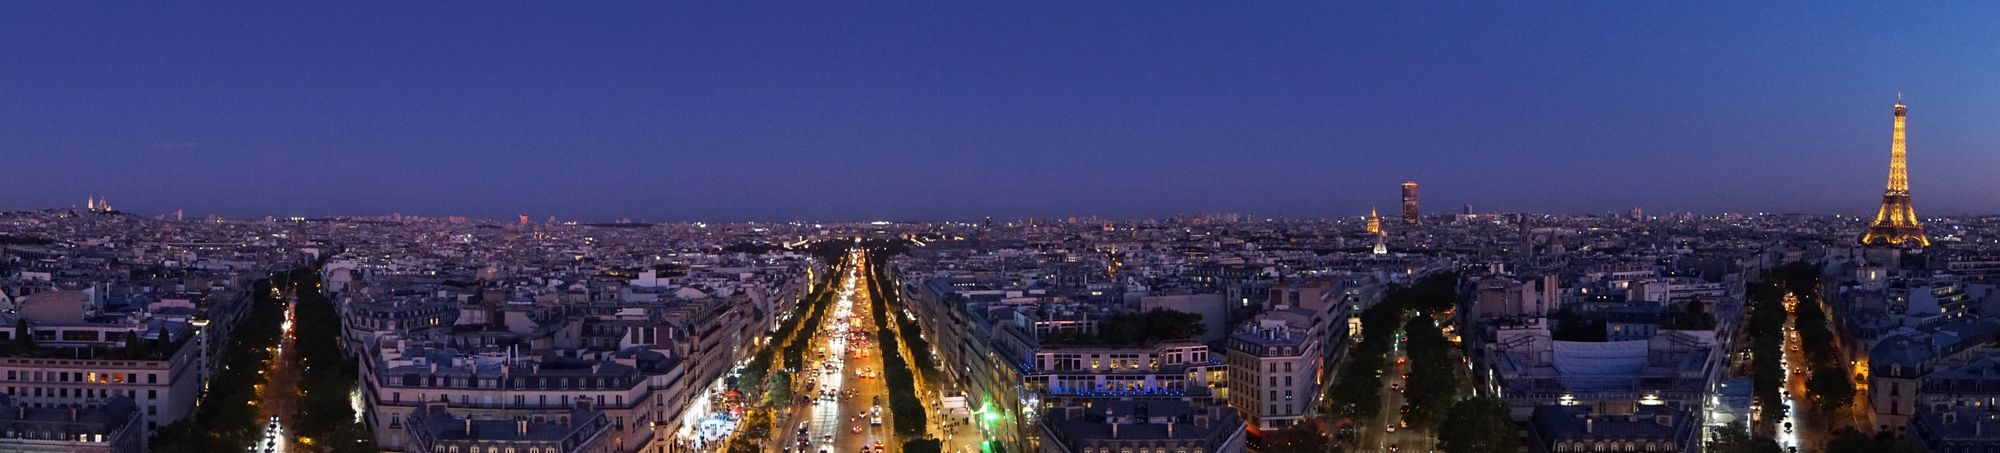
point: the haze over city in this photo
(691, 111)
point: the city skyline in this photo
(1060, 227)
(684, 113)
(1896, 208)
(181, 215)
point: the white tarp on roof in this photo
(1579, 361)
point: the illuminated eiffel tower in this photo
(1896, 223)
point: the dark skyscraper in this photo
(1410, 202)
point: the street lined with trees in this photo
(225, 420)
(326, 420)
(1414, 316)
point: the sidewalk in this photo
(959, 435)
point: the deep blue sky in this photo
(924, 110)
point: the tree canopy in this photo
(1830, 388)
(778, 389)
(1433, 383)
(1435, 293)
(925, 445)
(1849, 440)
(1766, 330)
(1736, 438)
(1478, 425)
(1357, 394)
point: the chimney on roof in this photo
(1589, 425)
(1109, 417)
(523, 424)
(468, 425)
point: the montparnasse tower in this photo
(1896, 222)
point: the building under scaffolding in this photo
(1671, 368)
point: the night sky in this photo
(734, 110)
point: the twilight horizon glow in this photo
(914, 110)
